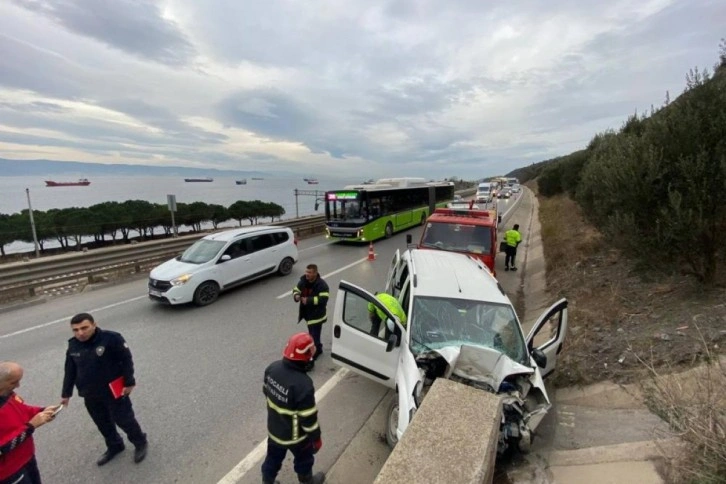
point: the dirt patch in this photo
(619, 312)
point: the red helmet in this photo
(300, 347)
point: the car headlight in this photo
(181, 280)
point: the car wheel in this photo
(392, 422)
(389, 230)
(206, 293)
(285, 266)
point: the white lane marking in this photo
(68, 318)
(316, 246)
(288, 293)
(246, 464)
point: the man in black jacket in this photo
(292, 415)
(312, 293)
(95, 358)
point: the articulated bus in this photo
(362, 213)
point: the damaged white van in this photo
(461, 326)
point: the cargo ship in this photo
(83, 182)
(207, 179)
(241, 182)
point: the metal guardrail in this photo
(27, 279)
(20, 280)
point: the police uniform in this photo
(314, 312)
(292, 418)
(90, 366)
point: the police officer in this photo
(312, 293)
(292, 416)
(512, 239)
(95, 358)
(376, 316)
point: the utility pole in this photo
(297, 209)
(32, 223)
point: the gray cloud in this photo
(134, 26)
(401, 86)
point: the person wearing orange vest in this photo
(512, 238)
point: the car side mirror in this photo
(409, 238)
(392, 341)
(539, 357)
(225, 258)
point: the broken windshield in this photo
(436, 323)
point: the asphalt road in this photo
(199, 373)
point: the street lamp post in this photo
(32, 223)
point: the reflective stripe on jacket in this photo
(317, 292)
(292, 415)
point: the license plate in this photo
(154, 293)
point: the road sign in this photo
(171, 202)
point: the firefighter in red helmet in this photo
(292, 416)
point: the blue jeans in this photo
(302, 463)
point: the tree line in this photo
(109, 222)
(657, 187)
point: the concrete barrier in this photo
(452, 438)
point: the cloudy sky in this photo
(465, 88)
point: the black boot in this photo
(108, 455)
(318, 478)
(268, 481)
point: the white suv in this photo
(222, 260)
(461, 326)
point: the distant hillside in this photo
(47, 167)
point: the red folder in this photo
(117, 387)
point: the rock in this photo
(621, 330)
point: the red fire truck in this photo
(469, 231)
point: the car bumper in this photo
(174, 295)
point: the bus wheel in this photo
(389, 230)
(423, 218)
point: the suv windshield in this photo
(202, 251)
(438, 322)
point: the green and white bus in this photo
(361, 213)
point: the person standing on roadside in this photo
(99, 364)
(312, 293)
(18, 421)
(512, 238)
(292, 414)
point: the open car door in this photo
(391, 278)
(548, 334)
(359, 343)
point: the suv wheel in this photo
(285, 266)
(206, 293)
(392, 422)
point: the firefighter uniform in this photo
(292, 419)
(314, 311)
(91, 365)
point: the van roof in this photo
(454, 275)
(227, 235)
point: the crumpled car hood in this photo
(481, 364)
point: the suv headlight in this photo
(181, 280)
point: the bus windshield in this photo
(351, 210)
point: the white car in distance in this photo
(461, 326)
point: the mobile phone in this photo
(58, 409)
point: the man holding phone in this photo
(97, 362)
(18, 421)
